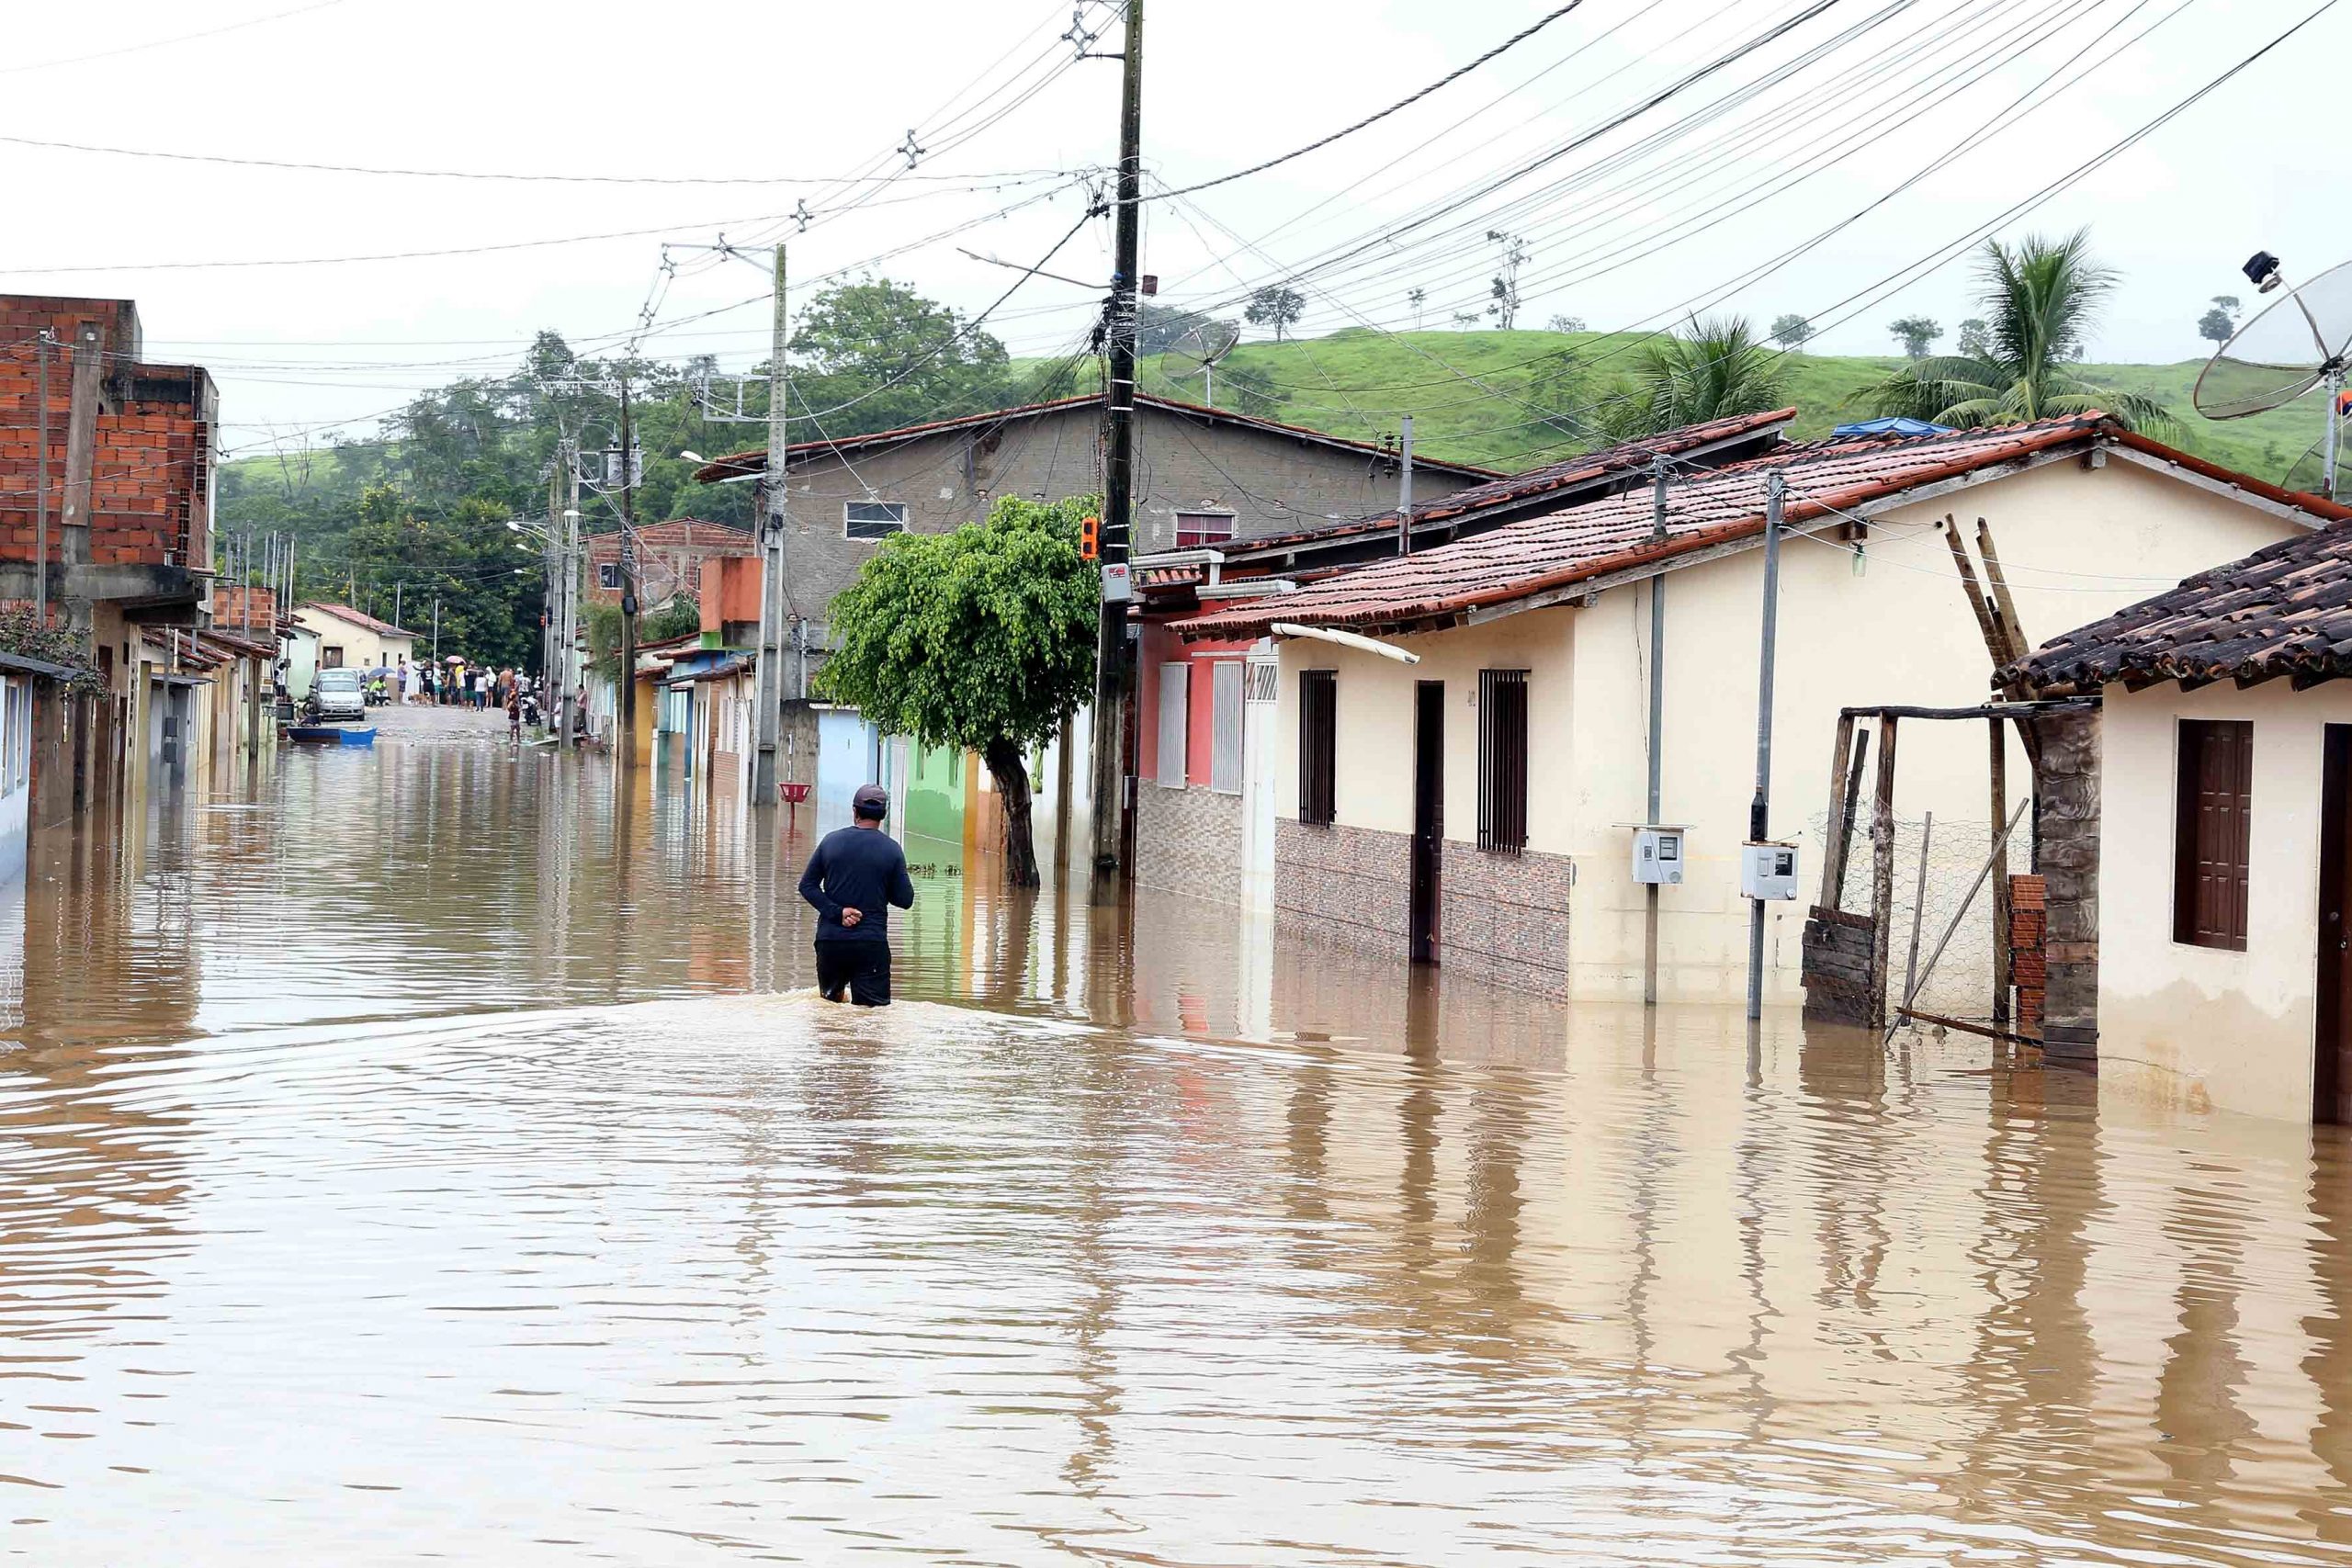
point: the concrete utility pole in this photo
(1760, 810)
(1112, 687)
(568, 633)
(40, 507)
(1405, 486)
(768, 673)
(626, 742)
(1657, 726)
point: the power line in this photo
(179, 38)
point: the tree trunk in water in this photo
(1012, 776)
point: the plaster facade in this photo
(1889, 626)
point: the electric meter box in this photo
(1767, 871)
(1657, 853)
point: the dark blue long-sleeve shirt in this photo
(860, 869)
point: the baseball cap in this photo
(871, 800)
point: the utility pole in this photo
(40, 508)
(1112, 688)
(396, 602)
(568, 638)
(626, 745)
(1759, 809)
(436, 641)
(1657, 726)
(1405, 486)
(767, 675)
(552, 625)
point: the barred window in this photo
(1318, 746)
(873, 519)
(1224, 727)
(1502, 761)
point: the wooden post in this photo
(1881, 870)
(1918, 917)
(1995, 648)
(1833, 839)
(1854, 772)
(2000, 782)
(2002, 603)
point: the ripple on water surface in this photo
(762, 1277)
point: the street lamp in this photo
(692, 457)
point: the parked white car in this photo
(341, 693)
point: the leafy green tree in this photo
(875, 355)
(396, 556)
(1275, 306)
(1564, 325)
(1416, 296)
(2217, 325)
(1792, 331)
(1916, 334)
(1714, 368)
(981, 639)
(1975, 338)
(1560, 388)
(2040, 298)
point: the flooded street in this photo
(424, 1154)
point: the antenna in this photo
(2301, 341)
(1197, 352)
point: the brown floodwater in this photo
(417, 1155)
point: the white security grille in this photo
(1265, 676)
(1175, 715)
(1224, 727)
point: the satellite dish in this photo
(2309, 474)
(1197, 352)
(2303, 340)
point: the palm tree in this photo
(1714, 368)
(2040, 300)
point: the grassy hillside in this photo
(1357, 382)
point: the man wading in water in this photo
(855, 875)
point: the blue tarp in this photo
(1891, 427)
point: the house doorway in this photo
(1428, 818)
(2331, 1041)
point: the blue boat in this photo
(329, 735)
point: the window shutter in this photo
(1225, 724)
(1175, 713)
(2212, 832)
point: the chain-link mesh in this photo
(1961, 983)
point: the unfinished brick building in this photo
(121, 452)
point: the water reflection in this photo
(342, 1219)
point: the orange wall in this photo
(730, 590)
(1161, 646)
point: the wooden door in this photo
(2332, 1044)
(1428, 818)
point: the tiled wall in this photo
(1506, 918)
(1344, 884)
(1189, 842)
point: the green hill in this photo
(1357, 382)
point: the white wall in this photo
(2197, 1025)
(2077, 545)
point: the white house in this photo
(353, 639)
(1477, 807)
(2224, 777)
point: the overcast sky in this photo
(1696, 200)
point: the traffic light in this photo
(1090, 538)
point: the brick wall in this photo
(228, 607)
(1504, 918)
(151, 463)
(669, 560)
(1189, 842)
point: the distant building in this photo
(2216, 933)
(130, 452)
(1206, 476)
(353, 639)
(670, 560)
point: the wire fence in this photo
(1960, 984)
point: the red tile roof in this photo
(1703, 509)
(679, 532)
(358, 618)
(1567, 474)
(2284, 610)
(754, 461)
